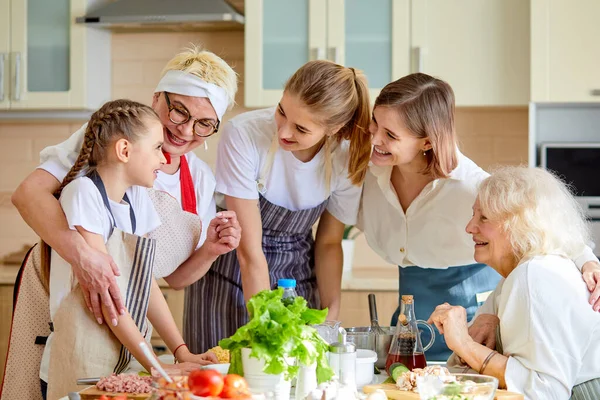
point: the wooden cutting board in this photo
(93, 393)
(393, 393)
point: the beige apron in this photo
(177, 236)
(83, 348)
(31, 314)
(176, 239)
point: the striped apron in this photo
(459, 286)
(215, 306)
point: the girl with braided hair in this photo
(104, 198)
(195, 90)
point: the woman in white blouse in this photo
(281, 169)
(417, 199)
(528, 227)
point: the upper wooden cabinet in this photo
(565, 54)
(49, 62)
(480, 47)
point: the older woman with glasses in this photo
(528, 227)
(195, 91)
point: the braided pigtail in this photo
(114, 120)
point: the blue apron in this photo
(457, 286)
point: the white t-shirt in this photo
(290, 183)
(431, 234)
(548, 328)
(83, 206)
(58, 159)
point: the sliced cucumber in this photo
(389, 380)
(397, 370)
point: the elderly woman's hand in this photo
(451, 321)
(224, 233)
(483, 330)
(591, 276)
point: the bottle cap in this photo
(286, 283)
(341, 346)
(407, 298)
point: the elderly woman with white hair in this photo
(528, 227)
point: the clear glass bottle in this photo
(406, 347)
(289, 290)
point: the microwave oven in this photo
(578, 164)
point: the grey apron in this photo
(215, 306)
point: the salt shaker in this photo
(342, 359)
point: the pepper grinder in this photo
(342, 359)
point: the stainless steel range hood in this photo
(125, 13)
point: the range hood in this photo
(125, 13)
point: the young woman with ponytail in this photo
(281, 169)
(104, 198)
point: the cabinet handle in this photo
(317, 53)
(17, 86)
(2, 77)
(595, 92)
(419, 57)
(333, 55)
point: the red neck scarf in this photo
(188, 193)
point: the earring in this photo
(424, 153)
(205, 146)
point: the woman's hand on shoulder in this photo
(591, 276)
(483, 330)
(224, 233)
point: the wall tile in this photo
(16, 149)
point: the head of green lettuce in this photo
(276, 332)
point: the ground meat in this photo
(408, 380)
(125, 383)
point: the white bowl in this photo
(222, 368)
(365, 367)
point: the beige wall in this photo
(488, 136)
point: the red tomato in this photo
(205, 382)
(235, 387)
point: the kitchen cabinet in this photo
(282, 35)
(564, 51)
(49, 62)
(480, 47)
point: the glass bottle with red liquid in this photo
(406, 347)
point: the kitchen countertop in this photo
(374, 279)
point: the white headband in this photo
(186, 84)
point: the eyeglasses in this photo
(180, 115)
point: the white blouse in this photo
(549, 330)
(290, 183)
